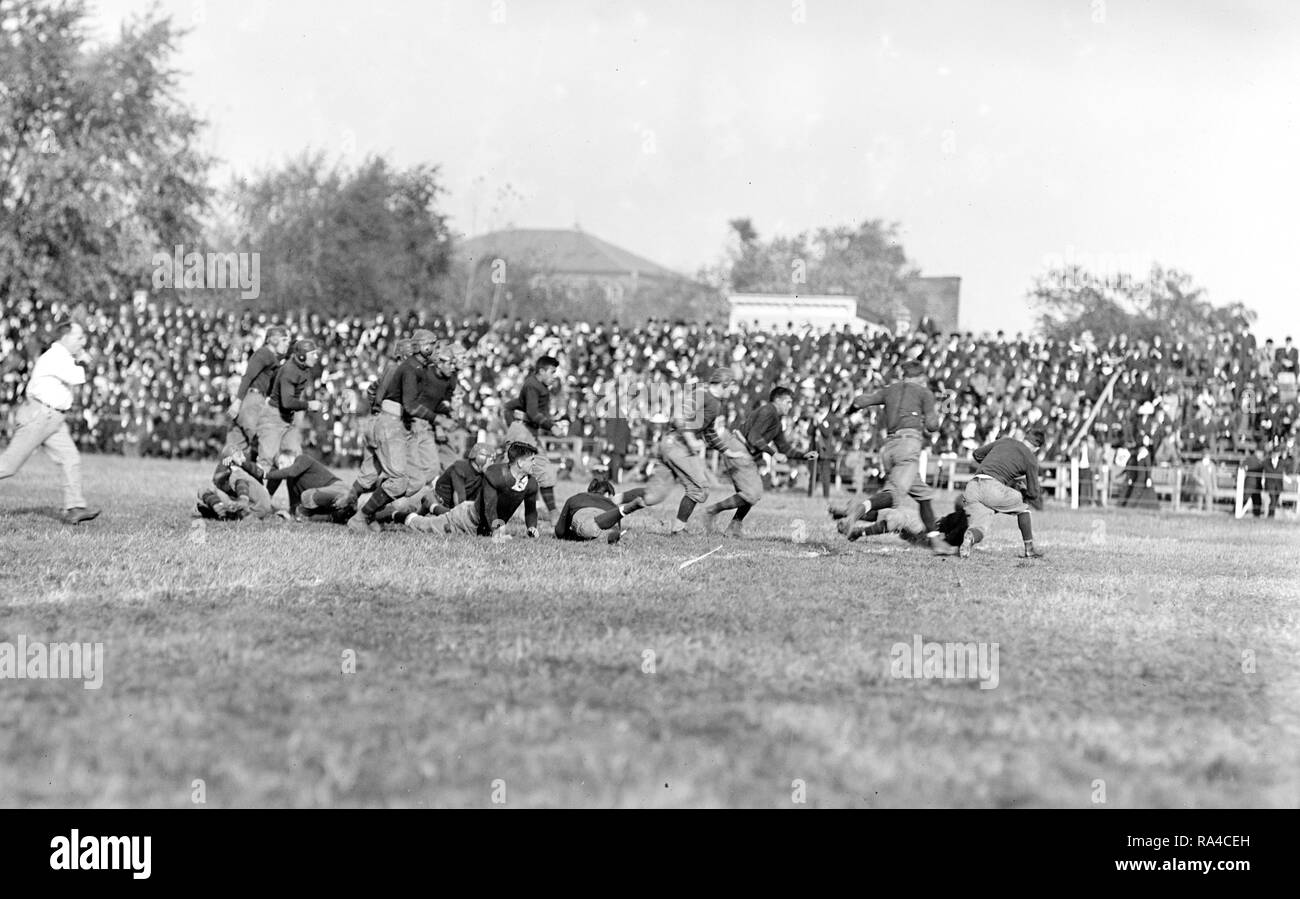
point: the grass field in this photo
(1152, 658)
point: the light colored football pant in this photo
(681, 466)
(985, 496)
(40, 427)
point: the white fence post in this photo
(1240, 511)
(1074, 482)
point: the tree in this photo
(99, 160)
(1071, 301)
(866, 261)
(333, 240)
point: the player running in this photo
(909, 411)
(993, 489)
(761, 433)
(682, 447)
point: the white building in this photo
(770, 312)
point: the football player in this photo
(761, 433)
(682, 447)
(588, 516)
(993, 489)
(506, 487)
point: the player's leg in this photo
(391, 445)
(271, 431)
(583, 524)
(423, 453)
(689, 470)
(890, 457)
(33, 426)
(749, 490)
(321, 500)
(214, 504)
(62, 451)
(247, 488)
(979, 516)
(905, 477)
(370, 471)
(734, 458)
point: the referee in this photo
(40, 421)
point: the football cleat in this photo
(967, 543)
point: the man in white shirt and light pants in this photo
(40, 420)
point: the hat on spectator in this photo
(721, 375)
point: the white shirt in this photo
(54, 376)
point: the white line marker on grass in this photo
(697, 558)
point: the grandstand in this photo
(162, 385)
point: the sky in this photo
(1000, 136)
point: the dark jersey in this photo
(461, 482)
(573, 505)
(375, 395)
(404, 386)
(502, 495)
(291, 389)
(259, 374)
(534, 401)
(304, 474)
(1007, 459)
(907, 405)
(763, 433)
(434, 395)
(700, 414)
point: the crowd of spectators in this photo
(164, 372)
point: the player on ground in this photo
(40, 421)
(239, 492)
(761, 433)
(291, 393)
(944, 539)
(528, 416)
(993, 489)
(462, 481)
(313, 488)
(506, 486)
(249, 405)
(909, 412)
(681, 450)
(587, 516)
